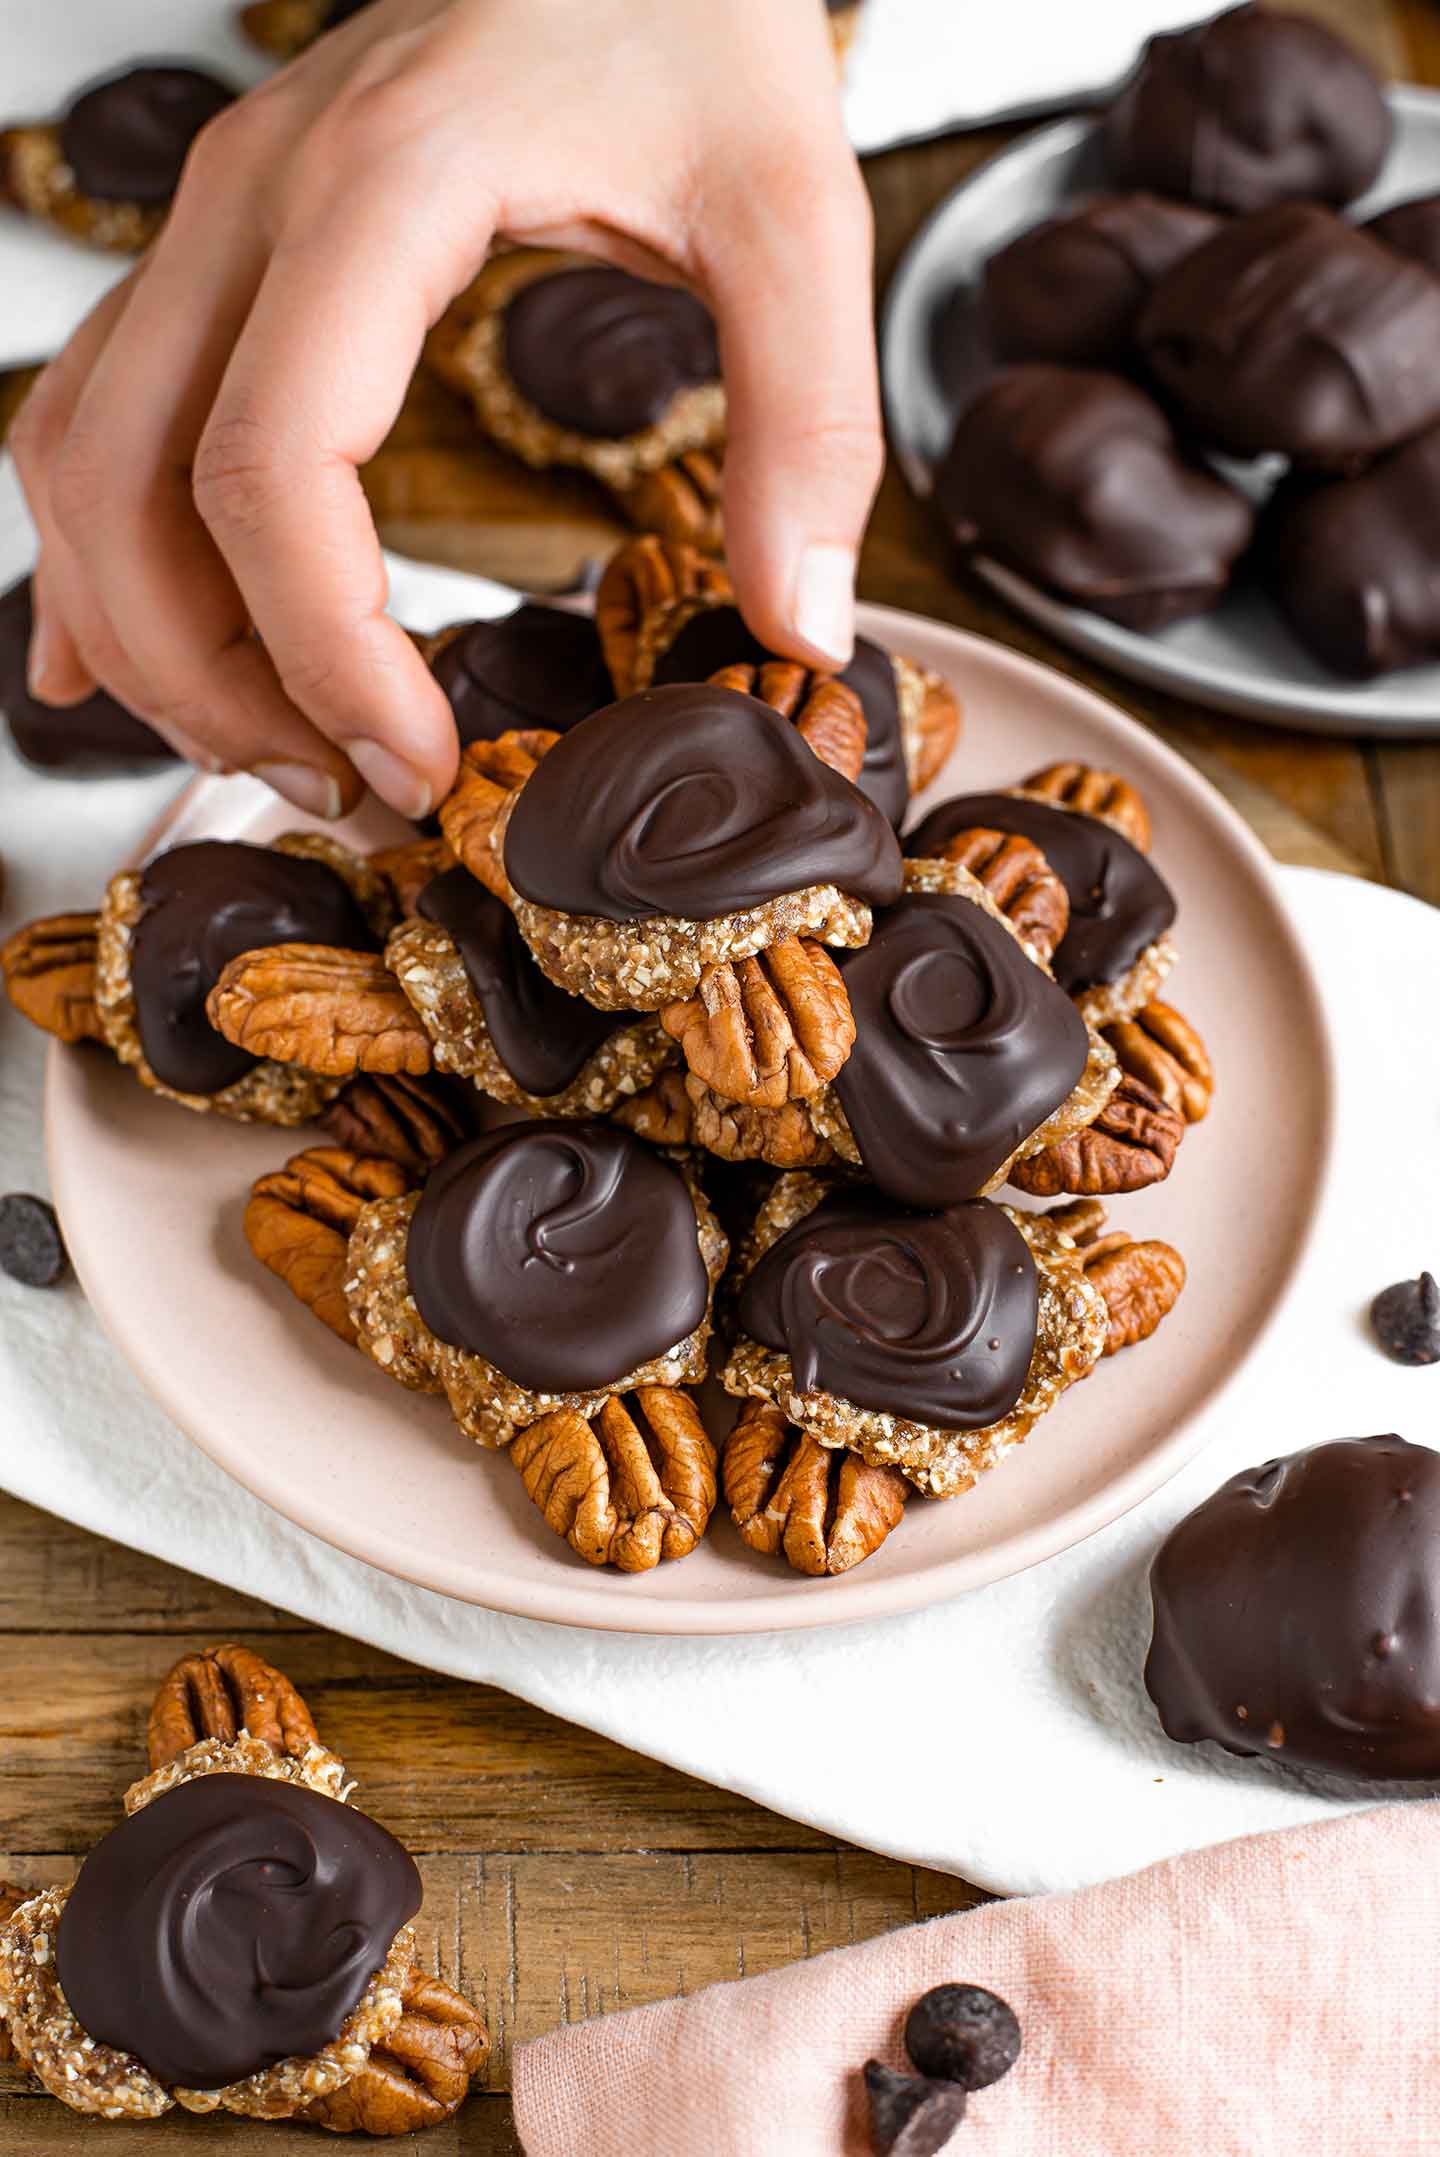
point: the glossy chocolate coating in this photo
(963, 1047)
(717, 637)
(604, 352)
(565, 1253)
(542, 1035)
(90, 738)
(1294, 331)
(1072, 289)
(538, 667)
(693, 802)
(1119, 902)
(930, 1316)
(202, 906)
(127, 139)
(1251, 108)
(1354, 564)
(1412, 229)
(1076, 479)
(1297, 1612)
(232, 1923)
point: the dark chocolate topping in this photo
(232, 1923)
(1352, 562)
(126, 140)
(930, 1316)
(963, 1047)
(717, 637)
(604, 352)
(542, 1035)
(98, 735)
(693, 802)
(539, 667)
(1297, 1612)
(565, 1253)
(202, 906)
(1071, 289)
(1119, 902)
(1413, 229)
(1294, 331)
(341, 11)
(1076, 479)
(1250, 108)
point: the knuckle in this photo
(79, 482)
(309, 679)
(237, 473)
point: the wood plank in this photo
(33, 2125)
(58, 1577)
(1408, 778)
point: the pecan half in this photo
(1096, 793)
(826, 714)
(1131, 1143)
(221, 1692)
(929, 719)
(1141, 1284)
(646, 575)
(329, 1011)
(825, 1509)
(49, 971)
(1020, 881)
(408, 869)
(420, 2075)
(768, 1029)
(680, 502)
(680, 1110)
(299, 1219)
(490, 772)
(417, 1122)
(1163, 1050)
(630, 1486)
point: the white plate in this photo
(1241, 658)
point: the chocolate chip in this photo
(964, 2034)
(31, 1247)
(910, 2116)
(1406, 1318)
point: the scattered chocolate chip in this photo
(910, 2116)
(32, 1249)
(1406, 1318)
(964, 2034)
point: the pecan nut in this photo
(417, 1122)
(823, 1508)
(299, 1219)
(826, 714)
(1020, 881)
(328, 1011)
(408, 869)
(490, 772)
(49, 972)
(1140, 1282)
(630, 1486)
(768, 1029)
(680, 502)
(1163, 1050)
(930, 721)
(421, 2074)
(648, 578)
(1096, 793)
(1132, 1143)
(221, 1692)
(680, 1110)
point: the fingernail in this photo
(304, 786)
(396, 782)
(823, 611)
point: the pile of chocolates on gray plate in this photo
(1215, 333)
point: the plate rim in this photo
(581, 1601)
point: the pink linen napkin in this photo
(1264, 1998)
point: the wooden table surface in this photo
(564, 1876)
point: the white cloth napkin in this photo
(918, 67)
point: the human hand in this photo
(191, 457)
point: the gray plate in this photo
(1241, 658)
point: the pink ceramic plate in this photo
(152, 1200)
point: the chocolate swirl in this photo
(565, 1253)
(1296, 1612)
(718, 637)
(542, 1036)
(96, 736)
(604, 352)
(930, 1316)
(963, 1047)
(693, 802)
(1119, 903)
(127, 139)
(202, 905)
(232, 1923)
(538, 667)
